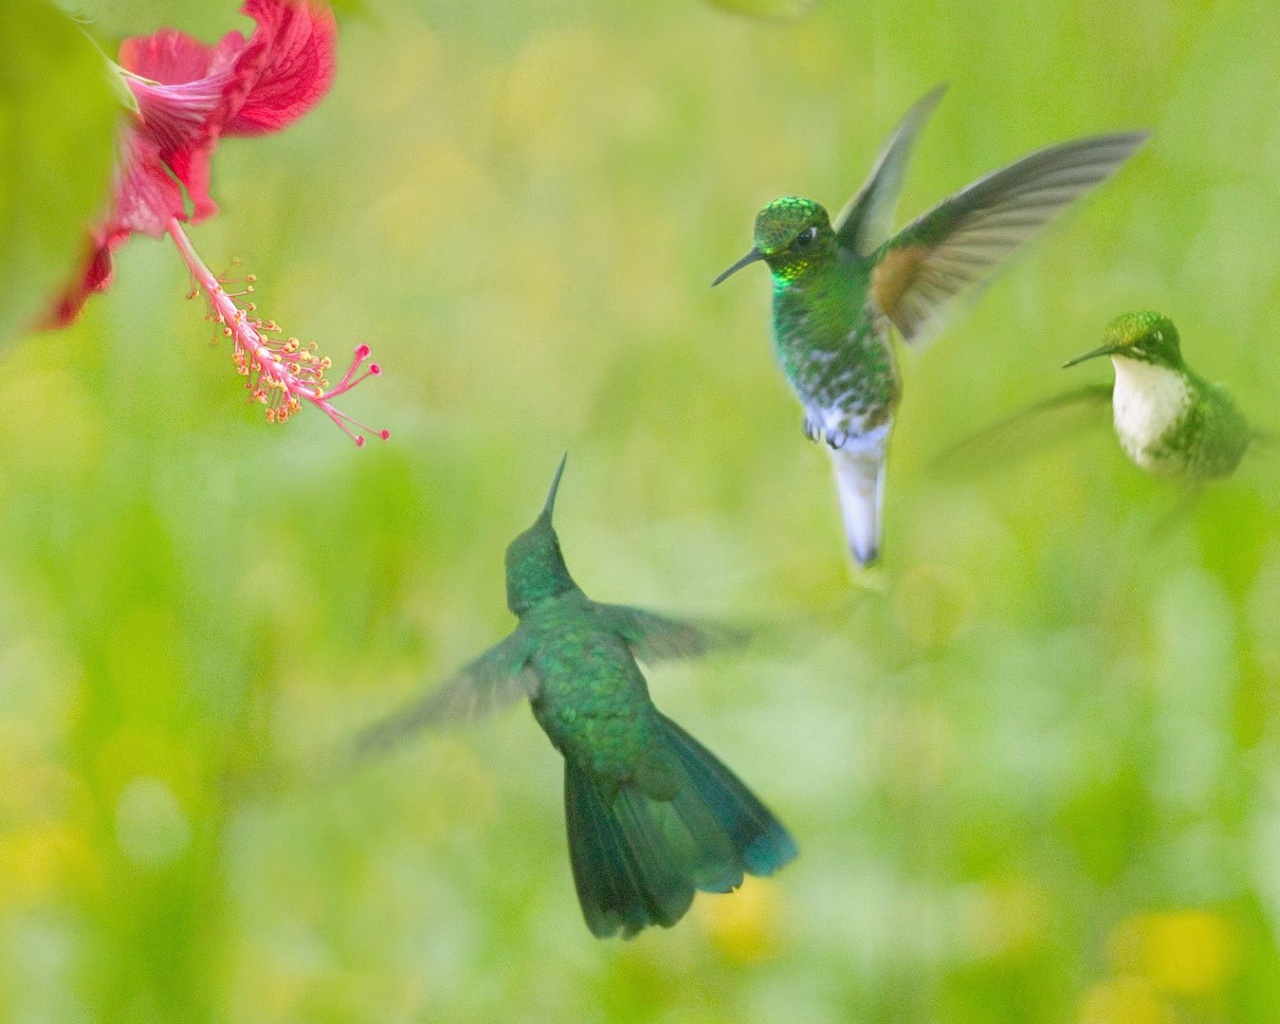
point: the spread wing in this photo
(959, 244)
(653, 638)
(865, 222)
(500, 676)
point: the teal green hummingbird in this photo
(839, 288)
(652, 815)
(1170, 421)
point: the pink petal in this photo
(146, 195)
(94, 277)
(171, 57)
(292, 69)
(182, 116)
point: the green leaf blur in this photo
(1031, 763)
(57, 114)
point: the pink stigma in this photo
(281, 373)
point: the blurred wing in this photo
(865, 222)
(1027, 431)
(653, 638)
(499, 677)
(959, 244)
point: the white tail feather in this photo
(860, 481)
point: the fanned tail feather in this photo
(637, 860)
(760, 841)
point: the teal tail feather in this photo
(638, 860)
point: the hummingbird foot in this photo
(814, 431)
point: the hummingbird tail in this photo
(638, 859)
(860, 482)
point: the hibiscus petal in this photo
(192, 168)
(183, 104)
(146, 195)
(288, 65)
(171, 57)
(95, 277)
(183, 116)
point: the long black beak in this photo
(1101, 350)
(749, 258)
(555, 486)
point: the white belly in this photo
(1148, 402)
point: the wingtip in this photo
(1128, 142)
(934, 96)
(1134, 140)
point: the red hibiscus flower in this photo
(189, 95)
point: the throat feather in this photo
(1149, 402)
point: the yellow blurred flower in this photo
(35, 861)
(743, 925)
(1181, 952)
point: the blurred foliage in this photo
(57, 115)
(1031, 762)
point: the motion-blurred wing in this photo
(653, 638)
(499, 677)
(1028, 431)
(960, 243)
(865, 222)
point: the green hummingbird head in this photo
(1144, 336)
(535, 566)
(792, 235)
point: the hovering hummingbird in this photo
(652, 814)
(837, 289)
(1170, 421)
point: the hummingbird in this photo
(1170, 421)
(652, 815)
(839, 287)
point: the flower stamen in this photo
(281, 373)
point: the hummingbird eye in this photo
(805, 238)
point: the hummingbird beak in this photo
(1102, 350)
(555, 486)
(751, 257)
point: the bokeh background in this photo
(1032, 762)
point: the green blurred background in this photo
(1032, 763)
